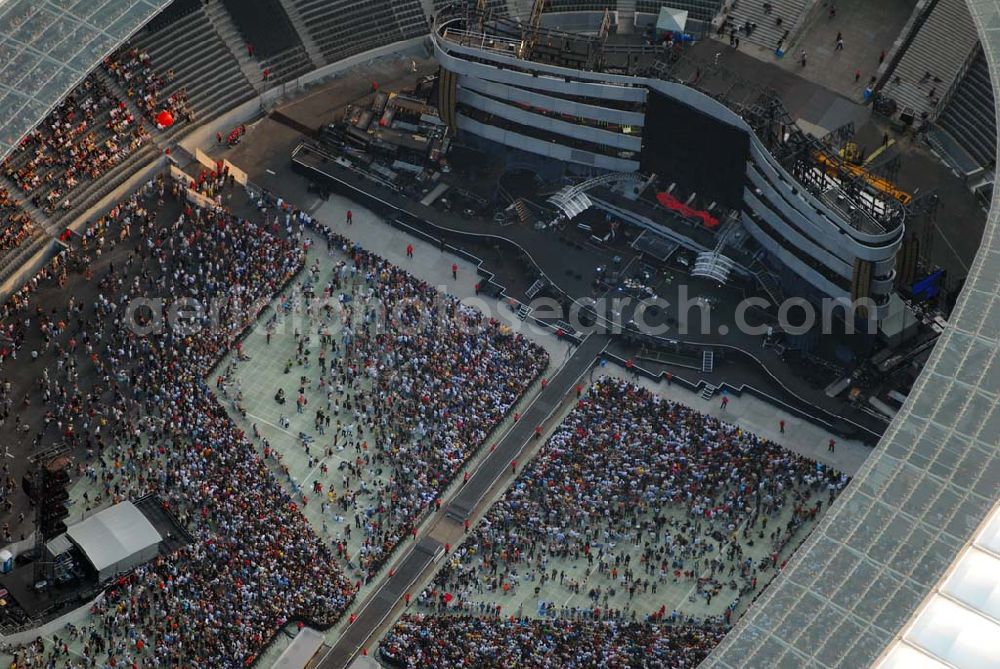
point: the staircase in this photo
(708, 392)
(15, 259)
(312, 50)
(768, 33)
(24, 202)
(970, 116)
(768, 281)
(534, 289)
(940, 47)
(626, 16)
(707, 360)
(714, 266)
(235, 42)
(523, 214)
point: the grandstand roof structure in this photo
(903, 569)
(48, 46)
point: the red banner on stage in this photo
(673, 204)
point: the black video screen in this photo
(702, 154)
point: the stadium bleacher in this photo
(177, 10)
(201, 63)
(18, 232)
(970, 115)
(264, 24)
(90, 133)
(343, 28)
(949, 22)
(580, 5)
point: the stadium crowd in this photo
(138, 409)
(15, 224)
(470, 641)
(643, 492)
(145, 86)
(411, 388)
(90, 132)
(147, 421)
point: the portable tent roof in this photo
(671, 20)
(116, 540)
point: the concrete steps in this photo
(17, 257)
(236, 43)
(970, 116)
(88, 196)
(24, 202)
(113, 84)
(342, 28)
(312, 49)
(949, 24)
(768, 33)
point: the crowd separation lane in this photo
(640, 531)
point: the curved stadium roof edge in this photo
(867, 585)
(47, 47)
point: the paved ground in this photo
(868, 27)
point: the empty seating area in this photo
(580, 5)
(203, 68)
(970, 117)
(343, 28)
(287, 65)
(91, 132)
(133, 69)
(264, 24)
(175, 11)
(494, 7)
(934, 59)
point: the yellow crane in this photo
(836, 168)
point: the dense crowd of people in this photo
(134, 70)
(90, 132)
(641, 491)
(147, 415)
(516, 643)
(411, 387)
(15, 224)
(428, 387)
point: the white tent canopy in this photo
(671, 20)
(116, 540)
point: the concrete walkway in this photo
(868, 27)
